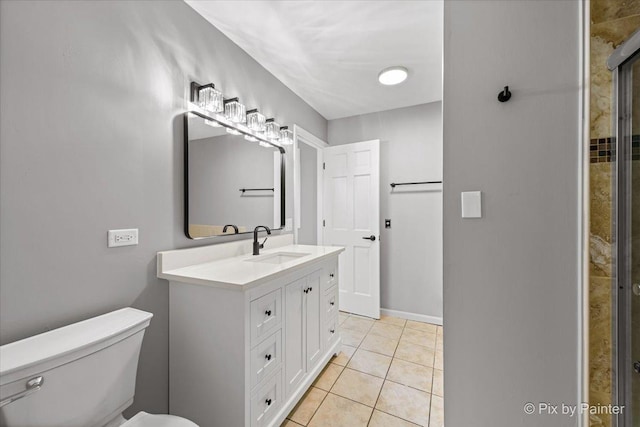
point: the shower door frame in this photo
(621, 251)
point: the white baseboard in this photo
(412, 316)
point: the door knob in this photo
(372, 238)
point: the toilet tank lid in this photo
(57, 343)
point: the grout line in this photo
(316, 410)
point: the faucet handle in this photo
(263, 242)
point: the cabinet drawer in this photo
(330, 332)
(266, 315)
(266, 357)
(266, 401)
(330, 275)
(330, 303)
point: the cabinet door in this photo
(294, 327)
(313, 313)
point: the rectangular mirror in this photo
(229, 180)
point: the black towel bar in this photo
(393, 184)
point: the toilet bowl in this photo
(142, 419)
(80, 375)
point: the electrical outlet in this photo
(125, 237)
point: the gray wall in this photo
(308, 231)
(91, 140)
(511, 278)
(218, 168)
(411, 250)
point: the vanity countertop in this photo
(244, 272)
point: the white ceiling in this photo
(330, 52)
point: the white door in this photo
(352, 219)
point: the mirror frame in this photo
(227, 124)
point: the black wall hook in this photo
(505, 95)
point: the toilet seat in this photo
(142, 419)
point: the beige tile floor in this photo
(388, 374)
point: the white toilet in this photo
(81, 375)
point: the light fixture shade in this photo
(256, 121)
(235, 111)
(272, 131)
(210, 98)
(393, 75)
(286, 136)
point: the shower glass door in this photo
(628, 244)
(633, 162)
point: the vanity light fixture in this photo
(235, 111)
(393, 75)
(234, 117)
(210, 98)
(272, 131)
(286, 136)
(256, 121)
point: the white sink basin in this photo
(278, 257)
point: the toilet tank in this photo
(88, 372)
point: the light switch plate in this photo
(471, 204)
(124, 237)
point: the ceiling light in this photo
(393, 75)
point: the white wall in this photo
(411, 250)
(90, 140)
(511, 282)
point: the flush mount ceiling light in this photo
(393, 75)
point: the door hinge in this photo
(324, 165)
(324, 224)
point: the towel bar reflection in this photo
(256, 189)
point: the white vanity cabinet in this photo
(302, 330)
(243, 354)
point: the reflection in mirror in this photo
(232, 184)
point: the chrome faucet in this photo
(235, 228)
(256, 245)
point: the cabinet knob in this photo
(306, 291)
(331, 275)
(310, 289)
(268, 402)
(267, 356)
(268, 312)
(332, 303)
(333, 331)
